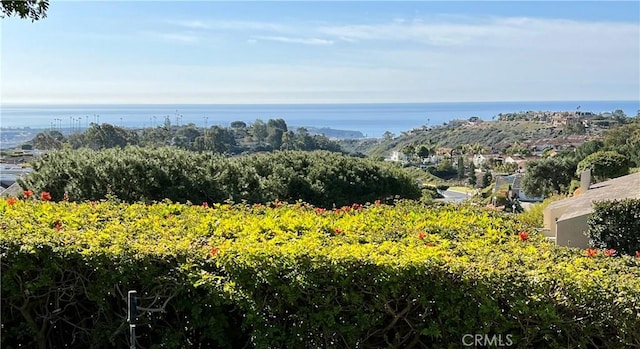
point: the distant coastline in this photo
(372, 120)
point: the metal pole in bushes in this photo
(132, 317)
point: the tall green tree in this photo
(473, 179)
(486, 179)
(547, 176)
(460, 167)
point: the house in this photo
(516, 191)
(479, 159)
(565, 221)
(397, 156)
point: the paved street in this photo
(453, 196)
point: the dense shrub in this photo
(144, 174)
(616, 224)
(293, 276)
(605, 164)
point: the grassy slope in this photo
(487, 133)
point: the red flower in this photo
(591, 252)
(356, 206)
(346, 208)
(421, 235)
(27, 193)
(321, 210)
(377, 202)
(638, 254)
(337, 210)
(338, 231)
(58, 225)
(215, 251)
(45, 196)
(523, 235)
(610, 252)
(205, 204)
(11, 201)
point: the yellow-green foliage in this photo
(291, 275)
(532, 218)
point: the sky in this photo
(180, 52)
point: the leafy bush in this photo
(291, 276)
(605, 164)
(616, 224)
(144, 174)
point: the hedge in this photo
(616, 225)
(296, 276)
(152, 174)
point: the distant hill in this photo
(494, 134)
(333, 133)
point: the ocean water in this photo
(370, 119)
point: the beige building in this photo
(565, 221)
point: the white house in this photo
(397, 156)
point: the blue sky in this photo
(322, 52)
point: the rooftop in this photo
(625, 187)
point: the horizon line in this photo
(309, 103)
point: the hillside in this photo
(496, 135)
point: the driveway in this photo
(453, 196)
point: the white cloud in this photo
(191, 24)
(233, 25)
(516, 32)
(440, 59)
(293, 40)
(185, 38)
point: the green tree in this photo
(108, 136)
(605, 164)
(216, 139)
(619, 116)
(45, 141)
(486, 179)
(423, 151)
(625, 140)
(587, 148)
(238, 124)
(473, 179)
(259, 131)
(274, 137)
(460, 167)
(186, 136)
(409, 150)
(547, 176)
(277, 123)
(33, 9)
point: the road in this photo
(453, 196)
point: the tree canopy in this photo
(547, 176)
(605, 164)
(33, 9)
